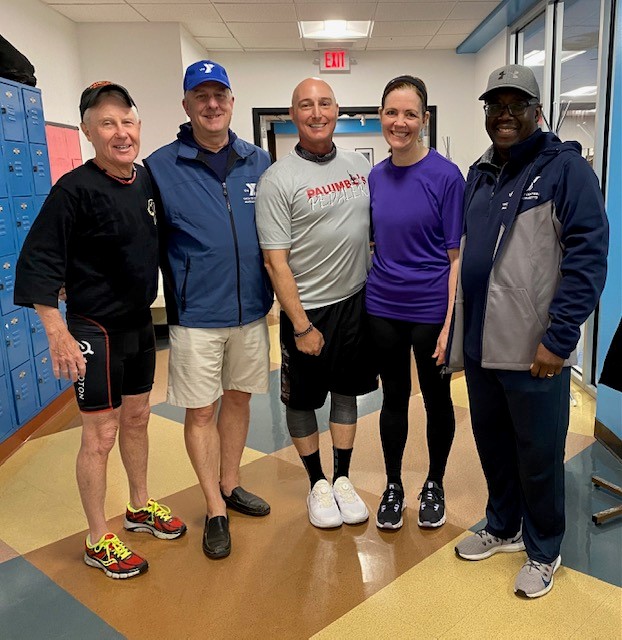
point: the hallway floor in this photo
(286, 579)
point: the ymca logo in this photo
(251, 191)
(207, 68)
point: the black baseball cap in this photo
(91, 94)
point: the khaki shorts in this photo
(203, 362)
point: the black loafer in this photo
(216, 538)
(246, 502)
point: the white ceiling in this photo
(271, 25)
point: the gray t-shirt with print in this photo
(320, 212)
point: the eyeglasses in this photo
(514, 108)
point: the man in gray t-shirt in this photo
(312, 212)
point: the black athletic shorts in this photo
(119, 362)
(344, 365)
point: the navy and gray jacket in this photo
(211, 262)
(533, 256)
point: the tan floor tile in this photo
(293, 579)
(575, 443)
(275, 346)
(606, 621)
(459, 394)
(559, 614)
(583, 414)
(160, 383)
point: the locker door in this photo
(38, 336)
(3, 179)
(24, 392)
(35, 123)
(46, 382)
(7, 422)
(23, 214)
(7, 235)
(40, 169)
(38, 203)
(12, 112)
(16, 338)
(18, 168)
(7, 281)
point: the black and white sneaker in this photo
(432, 509)
(389, 514)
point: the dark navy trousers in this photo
(520, 425)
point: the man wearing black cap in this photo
(216, 289)
(533, 265)
(96, 236)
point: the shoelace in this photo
(540, 567)
(160, 510)
(429, 495)
(118, 548)
(485, 536)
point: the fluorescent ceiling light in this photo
(535, 58)
(589, 90)
(335, 29)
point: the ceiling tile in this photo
(399, 42)
(88, 1)
(184, 12)
(336, 11)
(139, 2)
(98, 12)
(452, 27)
(472, 10)
(445, 42)
(207, 29)
(271, 32)
(407, 28)
(399, 11)
(220, 44)
(267, 12)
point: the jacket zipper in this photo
(237, 250)
(183, 288)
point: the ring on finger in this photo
(550, 374)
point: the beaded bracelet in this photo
(304, 333)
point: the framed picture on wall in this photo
(368, 153)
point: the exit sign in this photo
(338, 60)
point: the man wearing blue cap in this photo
(216, 289)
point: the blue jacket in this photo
(211, 262)
(533, 255)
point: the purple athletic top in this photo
(416, 215)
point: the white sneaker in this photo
(353, 509)
(323, 510)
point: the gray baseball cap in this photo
(513, 76)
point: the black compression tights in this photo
(393, 341)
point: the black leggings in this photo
(393, 340)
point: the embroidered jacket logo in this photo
(529, 193)
(250, 191)
(151, 209)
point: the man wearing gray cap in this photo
(533, 265)
(96, 236)
(216, 289)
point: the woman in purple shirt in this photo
(416, 209)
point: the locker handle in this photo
(3, 110)
(18, 396)
(35, 168)
(40, 379)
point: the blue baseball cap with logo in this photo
(205, 71)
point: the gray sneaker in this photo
(482, 545)
(536, 578)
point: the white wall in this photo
(267, 80)
(50, 42)
(145, 58)
(191, 50)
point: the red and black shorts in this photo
(119, 362)
(344, 366)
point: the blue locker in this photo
(38, 336)
(7, 422)
(3, 179)
(7, 236)
(33, 108)
(46, 381)
(15, 332)
(24, 392)
(23, 214)
(18, 167)
(7, 281)
(12, 112)
(40, 169)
